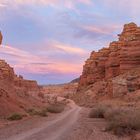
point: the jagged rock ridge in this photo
(16, 93)
(112, 72)
(118, 58)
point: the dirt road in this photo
(72, 124)
(49, 130)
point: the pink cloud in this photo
(60, 68)
(107, 30)
(64, 48)
(39, 64)
(56, 3)
(128, 6)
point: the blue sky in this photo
(49, 40)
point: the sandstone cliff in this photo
(1, 38)
(16, 93)
(61, 90)
(101, 70)
(119, 57)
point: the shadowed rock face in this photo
(120, 57)
(1, 38)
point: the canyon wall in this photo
(61, 90)
(118, 58)
(1, 37)
(8, 77)
(104, 73)
(16, 93)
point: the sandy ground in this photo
(72, 124)
(90, 129)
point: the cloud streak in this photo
(65, 48)
(54, 3)
(41, 64)
(54, 37)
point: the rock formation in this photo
(1, 38)
(114, 71)
(16, 93)
(61, 90)
(118, 58)
(7, 74)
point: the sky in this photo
(49, 40)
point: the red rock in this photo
(1, 37)
(120, 57)
(16, 93)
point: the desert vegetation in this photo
(15, 116)
(120, 120)
(51, 108)
(98, 111)
(33, 112)
(56, 108)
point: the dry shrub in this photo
(33, 112)
(122, 121)
(56, 108)
(15, 116)
(42, 113)
(98, 111)
(113, 112)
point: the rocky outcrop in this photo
(130, 47)
(120, 57)
(16, 93)
(61, 90)
(7, 74)
(1, 37)
(112, 72)
(75, 80)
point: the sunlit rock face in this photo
(1, 38)
(7, 74)
(130, 47)
(16, 93)
(120, 57)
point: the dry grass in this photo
(15, 116)
(43, 113)
(56, 108)
(33, 112)
(122, 121)
(98, 111)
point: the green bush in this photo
(15, 116)
(56, 108)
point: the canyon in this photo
(111, 75)
(112, 72)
